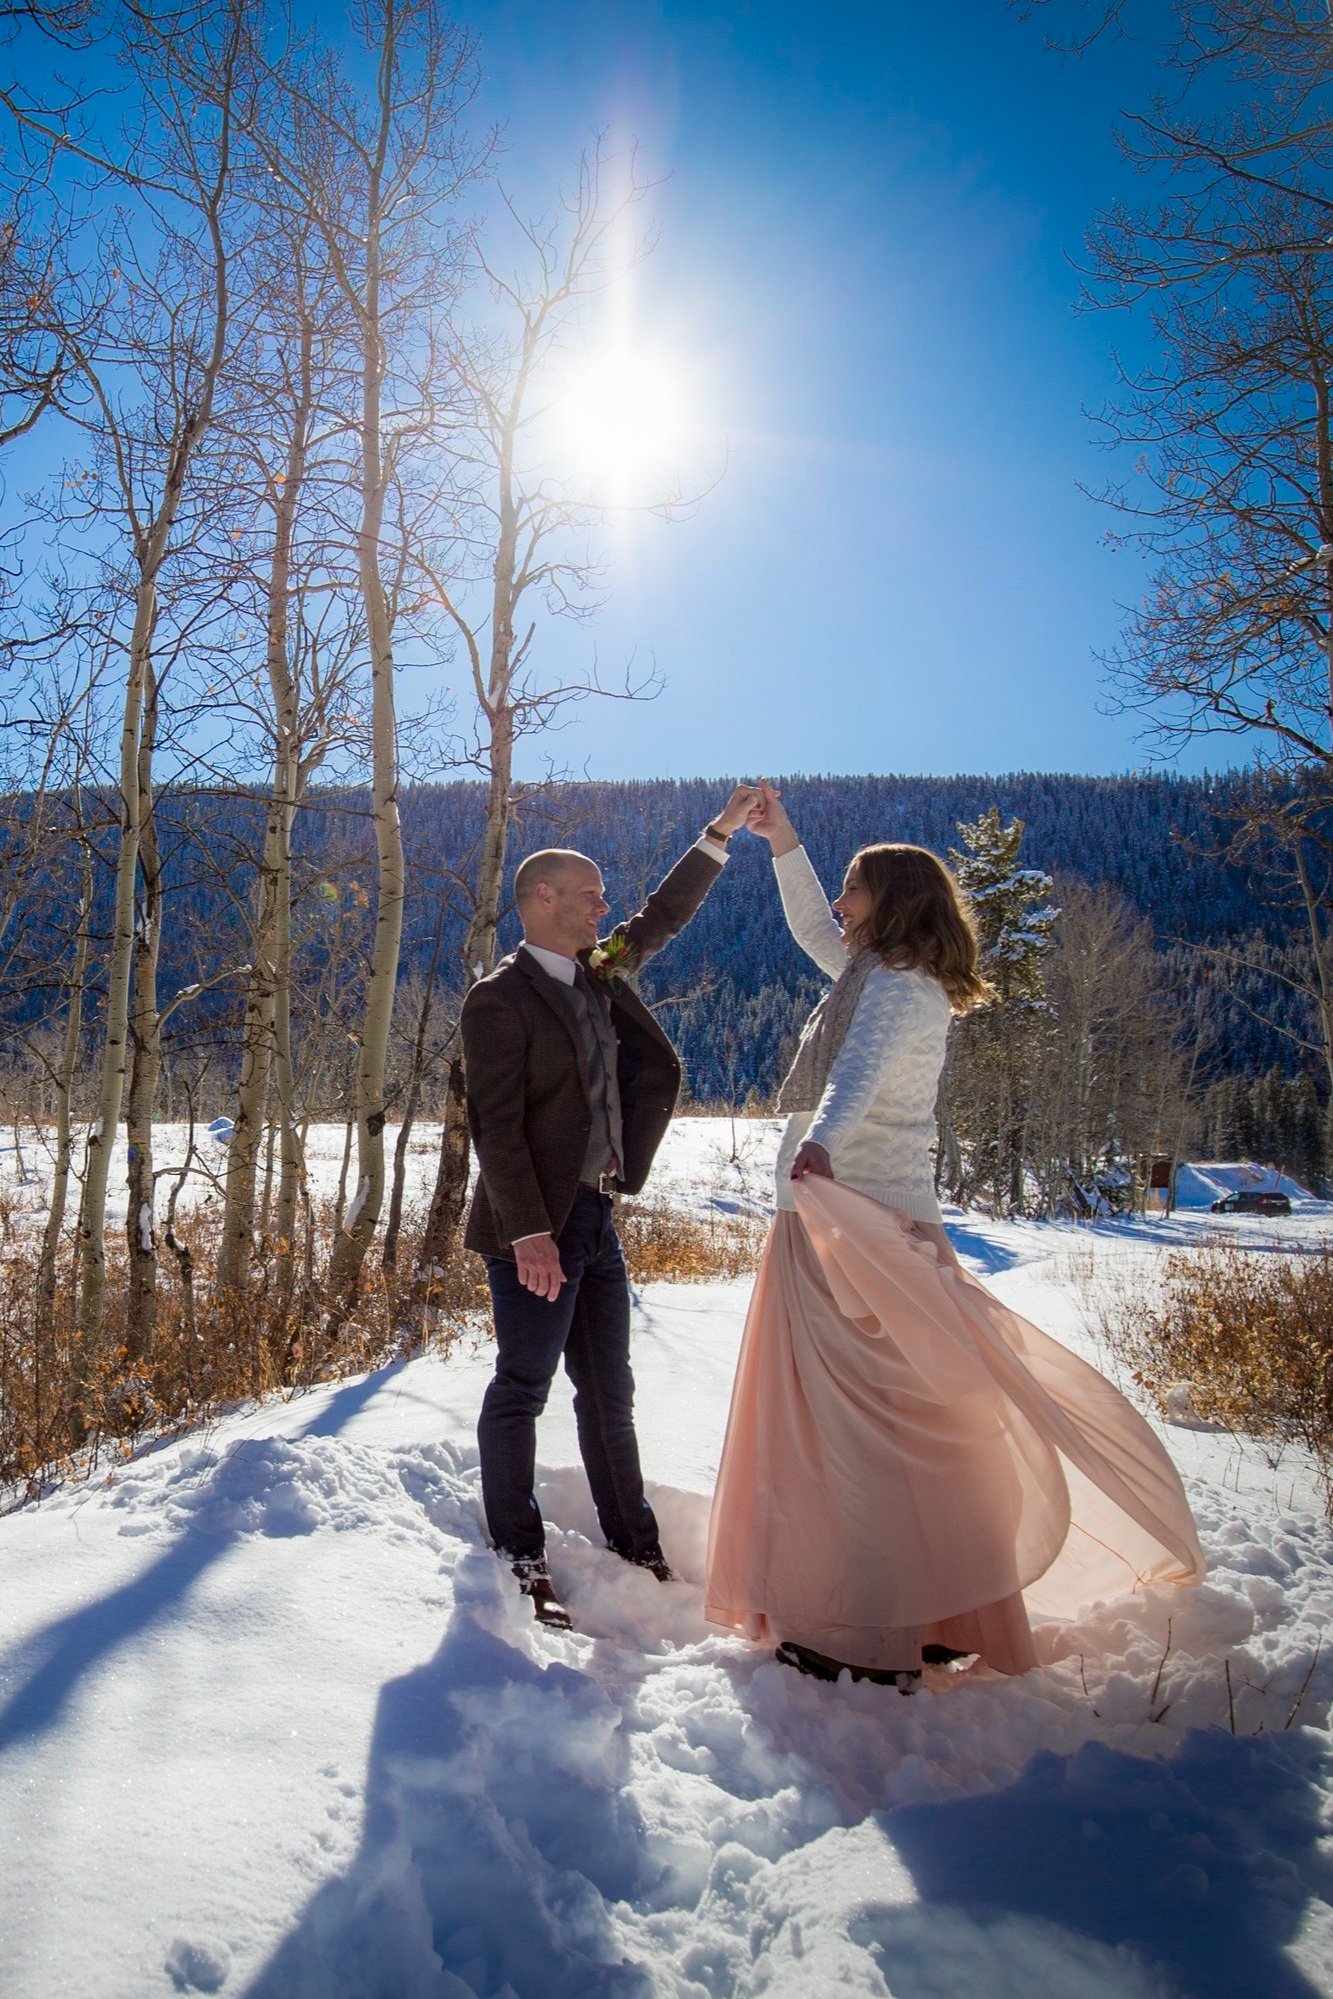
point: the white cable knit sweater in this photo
(877, 1114)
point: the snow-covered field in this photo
(274, 1723)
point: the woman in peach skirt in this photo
(909, 1468)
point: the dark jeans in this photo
(589, 1324)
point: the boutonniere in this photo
(605, 960)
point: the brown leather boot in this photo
(534, 1579)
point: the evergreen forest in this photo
(733, 987)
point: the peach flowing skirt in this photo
(909, 1461)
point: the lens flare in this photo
(623, 424)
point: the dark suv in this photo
(1269, 1202)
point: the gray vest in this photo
(605, 1142)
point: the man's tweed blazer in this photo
(527, 1084)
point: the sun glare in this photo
(623, 424)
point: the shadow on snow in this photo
(71, 1648)
(497, 1830)
(498, 1834)
(1202, 1866)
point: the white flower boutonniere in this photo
(605, 960)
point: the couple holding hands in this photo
(910, 1470)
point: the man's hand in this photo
(737, 809)
(811, 1158)
(538, 1262)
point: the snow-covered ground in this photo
(274, 1723)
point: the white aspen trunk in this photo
(151, 554)
(69, 1056)
(145, 1058)
(362, 1216)
(340, 1199)
(412, 1102)
(258, 1051)
(111, 1081)
(265, 1203)
(291, 1177)
(252, 1090)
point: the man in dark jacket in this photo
(571, 1084)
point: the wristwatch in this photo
(716, 833)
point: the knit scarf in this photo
(823, 1035)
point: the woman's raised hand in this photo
(768, 818)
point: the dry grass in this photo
(64, 1408)
(1249, 1335)
(662, 1242)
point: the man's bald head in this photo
(553, 865)
(560, 900)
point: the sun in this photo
(623, 423)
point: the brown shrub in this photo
(1250, 1336)
(662, 1242)
(65, 1409)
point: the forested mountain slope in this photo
(735, 982)
(1152, 838)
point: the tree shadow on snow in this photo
(982, 1254)
(1202, 1866)
(349, 1401)
(496, 1832)
(71, 1648)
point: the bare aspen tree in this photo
(427, 1007)
(32, 358)
(1229, 429)
(1281, 827)
(63, 1080)
(47, 859)
(293, 407)
(145, 1039)
(188, 200)
(36, 225)
(63, 21)
(380, 175)
(532, 520)
(1114, 1074)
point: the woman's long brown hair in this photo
(919, 919)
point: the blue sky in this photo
(868, 218)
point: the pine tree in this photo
(1000, 1048)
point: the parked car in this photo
(1249, 1202)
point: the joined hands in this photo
(737, 810)
(768, 818)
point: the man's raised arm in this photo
(673, 902)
